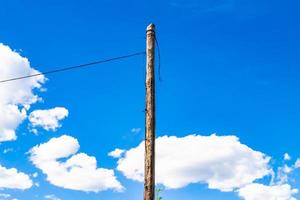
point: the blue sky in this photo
(228, 67)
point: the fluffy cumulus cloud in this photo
(16, 96)
(257, 191)
(278, 189)
(12, 179)
(48, 119)
(117, 153)
(78, 172)
(220, 161)
(286, 157)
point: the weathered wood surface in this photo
(149, 185)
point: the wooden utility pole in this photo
(149, 185)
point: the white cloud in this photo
(35, 174)
(51, 197)
(257, 191)
(12, 179)
(220, 161)
(287, 157)
(34, 131)
(4, 195)
(5, 151)
(16, 96)
(117, 153)
(136, 130)
(78, 172)
(286, 169)
(282, 174)
(48, 119)
(297, 163)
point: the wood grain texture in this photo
(149, 185)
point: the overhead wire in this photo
(74, 67)
(158, 52)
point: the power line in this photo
(74, 67)
(159, 66)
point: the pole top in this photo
(151, 27)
